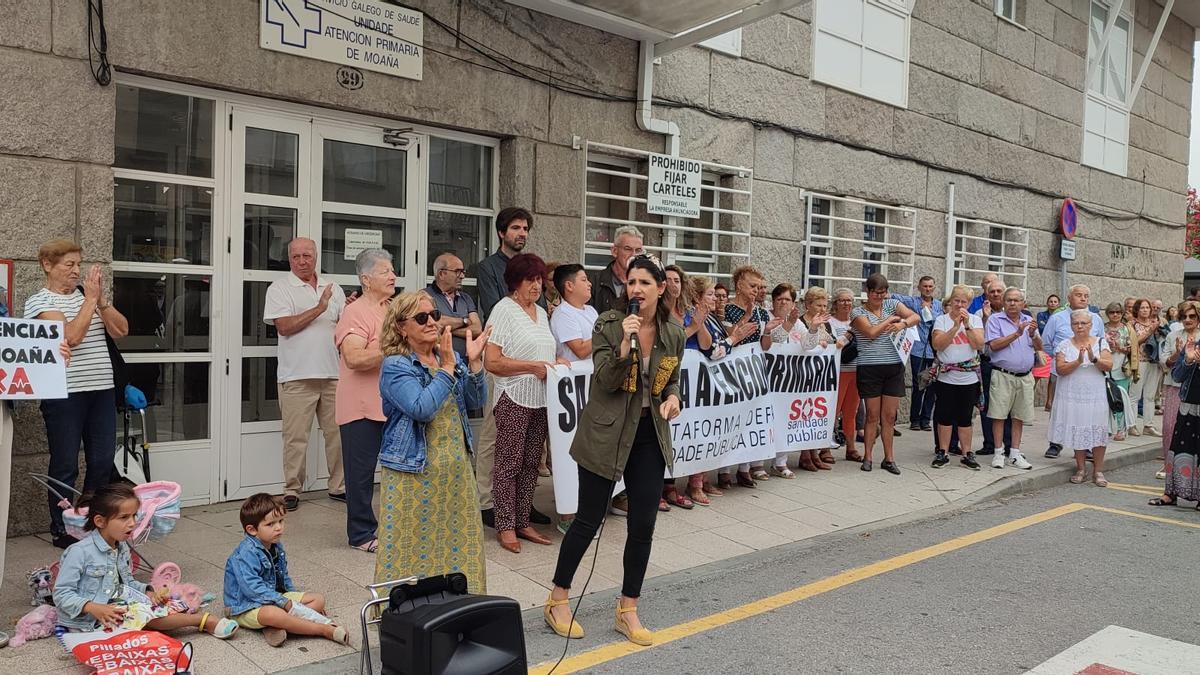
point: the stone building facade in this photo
(202, 129)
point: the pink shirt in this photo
(358, 390)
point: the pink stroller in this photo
(157, 514)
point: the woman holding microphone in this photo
(624, 433)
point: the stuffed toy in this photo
(37, 624)
(183, 598)
(40, 582)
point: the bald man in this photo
(305, 308)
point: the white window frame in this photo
(1007, 252)
(736, 240)
(901, 9)
(488, 236)
(821, 247)
(1018, 12)
(1112, 127)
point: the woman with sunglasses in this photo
(521, 348)
(428, 511)
(1180, 466)
(880, 368)
(624, 433)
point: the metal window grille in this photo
(614, 195)
(850, 239)
(981, 247)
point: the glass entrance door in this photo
(339, 185)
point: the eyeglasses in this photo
(458, 272)
(423, 317)
(1191, 316)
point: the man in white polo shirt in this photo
(304, 308)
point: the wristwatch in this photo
(466, 322)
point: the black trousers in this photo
(643, 484)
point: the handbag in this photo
(1115, 404)
(850, 351)
(120, 369)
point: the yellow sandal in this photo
(574, 630)
(641, 636)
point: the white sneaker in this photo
(1018, 460)
(998, 460)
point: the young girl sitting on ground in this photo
(94, 570)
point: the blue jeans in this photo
(988, 440)
(921, 410)
(360, 454)
(87, 417)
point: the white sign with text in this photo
(674, 188)
(366, 34)
(31, 366)
(358, 241)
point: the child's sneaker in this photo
(275, 636)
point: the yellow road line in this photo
(1146, 516)
(617, 650)
(1156, 489)
(1136, 491)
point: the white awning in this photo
(669, 24)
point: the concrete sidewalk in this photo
(744, 520)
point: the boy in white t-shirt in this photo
(574, 320)
(572, 325)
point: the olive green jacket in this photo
(610, 418)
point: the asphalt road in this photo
(984, 600)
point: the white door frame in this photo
(309, 206)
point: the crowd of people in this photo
(394, 381)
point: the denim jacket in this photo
(91, 571)
(411, 399)
(253, 577)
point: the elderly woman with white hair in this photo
(1079, 418)
(359, 407)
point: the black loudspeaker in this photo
(434, 627)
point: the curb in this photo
(1058, 475)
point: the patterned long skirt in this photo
(1183, 481)
(429, 522)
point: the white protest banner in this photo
(30, 365)
(674, 186)
(745, 407)
(904, 341)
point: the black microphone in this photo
(635, 306)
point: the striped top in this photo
(881, 351)
(90, 368)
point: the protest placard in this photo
(31, 366)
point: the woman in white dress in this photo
(1079, 418)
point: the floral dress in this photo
(429, 522)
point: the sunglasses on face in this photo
(423, 317)
(1191, 316)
